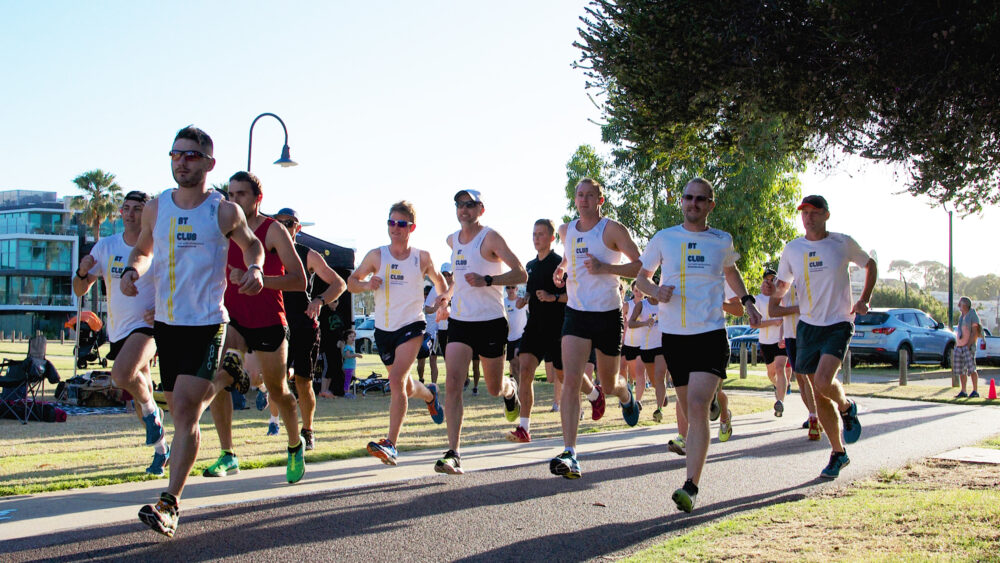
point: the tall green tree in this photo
(585, 163)
(101, 200)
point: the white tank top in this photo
(630, 333)
(469, 303)
(586, 291)
(189, 260)
(649, 337)
(400, 300)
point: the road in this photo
(516, 512)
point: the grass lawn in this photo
(104, 449)
(934, 510)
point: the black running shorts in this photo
(188, 350)
(116, 347)
(388, 341)
(790, 351)
(303, 349)
(770, 352)
(687, 353)
(630, 352)
(264, 339)
(603, 329)
(513, 348)
(544, 343)
(649, 356)
(486, 338)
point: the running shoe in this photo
(154, 426)
(261, 399)
(961, 395)
(519, 435)
(272, 428)
(974, 395)
(715, 409)
(726, 427)
(779, 409)
(511, 405)
(475, 390)
(852, 426)
(838, 461)
(349, 395)
(555, 407)
(159, 462)
(598, 405)
(161, 517)
(684, 497)
(658, 415)
(296, 467)
(805, 424)
(233, 365)
(434, 405)
(385, 450)
(565, 465)
(631, 410)
(307, 438)
(451, 463)
(227, 464)
(677, 445)
(814, 429)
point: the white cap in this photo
(446, 267)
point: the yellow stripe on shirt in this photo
(805, 269)
(684, 259)
(171, 274)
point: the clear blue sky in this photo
(383, 101)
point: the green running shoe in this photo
(227, 464)
(296, 467)
(677, 445)
(512, 406)
(684, 497)
(450, 464)
(726, 427)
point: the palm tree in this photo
(103, 197)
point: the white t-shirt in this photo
(767, 334)
(819, 270)
(516, 319)
(430, 317)
(692, 262)
(789, 321)
(125, 313)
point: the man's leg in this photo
(780, 381)
(830, 399)
(190, 397)
(420, 369)
(272, 366)
(607, 373)
(806, 390)
(132, 359)
(575, 351)
(456, 364)
(527, 364)
(975, 378)
(554, 377)
(222, 405)
(475, 373)
(700, 390)
(659, 370)
(402, 386)
(639, 368)
(307, 399)
(434, 368)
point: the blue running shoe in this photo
(272, 429)
(631, 410)
(261, 400)
(838, 461)
(154, 426)
(852, 426)
(159, 462)
(434, 406)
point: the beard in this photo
(194, 179)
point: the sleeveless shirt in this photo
(586, 291)
(470, 303)
(400, 300)
(267, 308)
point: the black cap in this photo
(817, 201)
(136, 195)
(769, 272)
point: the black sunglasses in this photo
(399, 223)
(698, 198)
(188, 156)
(466, 204)
(290, 223)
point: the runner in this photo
(395, 275)
(594, 247)
(259, 325)
(517, 318)
(631, 363)
(184, 238)
(441, 329)
(302, 310)
(697, 261)
(805, 387)
(130, 323)
(427, 350)
(818, 266)
(542, 334)
(477, 325)
(775, 357)
(643, 321)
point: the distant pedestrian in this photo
(968, 331)
(350, 362)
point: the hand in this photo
(650, 321)
(593, 265)
(441, 302)
(860, 308)
(521, 302)
(252, 282)
(128, 283)
(753, 315)
(781, 344)
(149, 316)
(86, 263)
(315, 306)
(375, 283)
(475, 280)
(442, 313)
(545, 296)
(559, 277)
(235, 275)
(664, 293)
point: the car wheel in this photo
(946, 358)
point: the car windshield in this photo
(871, 319)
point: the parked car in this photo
(882, 333)
(732, 331)
(364, 334)
(988, 349)
(747, 339)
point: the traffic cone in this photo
(993, 390)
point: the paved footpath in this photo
(507, 507)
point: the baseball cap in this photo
(288, 211)
(817, 201)
(446, 267)
(769, 272)
(474, 194)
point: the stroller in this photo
(90, 336)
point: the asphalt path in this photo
(621, 505)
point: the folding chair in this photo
(21, 382)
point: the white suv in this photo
(364, 334)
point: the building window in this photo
(35, 290)
(49, 255)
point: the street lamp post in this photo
(951, 278)
(285, 160)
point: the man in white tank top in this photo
(395, 274)
(188, 240)
(477, 325)
(130, 323)
(590, 270)
(697, 262)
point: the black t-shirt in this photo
(296, 302)
(540, 277)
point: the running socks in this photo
(526, 424)
(274, 420)
(161, 446)
(594, 394)
(572, 451)
(295, 448)
(147, 407)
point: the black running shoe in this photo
(307, 438)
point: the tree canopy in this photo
(912, 84)
(101, 200)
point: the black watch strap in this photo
(489, 280)
(749, 298)
(127, 270)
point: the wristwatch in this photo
(746, 298)
(257, 266)
(488, 280)
(83, 277)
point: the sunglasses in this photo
(399, 223)
(698, 198)
(466, 204)
(290, 223)
(188, 156)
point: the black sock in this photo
(295, 448)
(690, 487)
(169, 499)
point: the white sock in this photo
(526, 423)
(571, 450)
(161, 446)
(594, 394)
(274, 420)
(147, 407)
